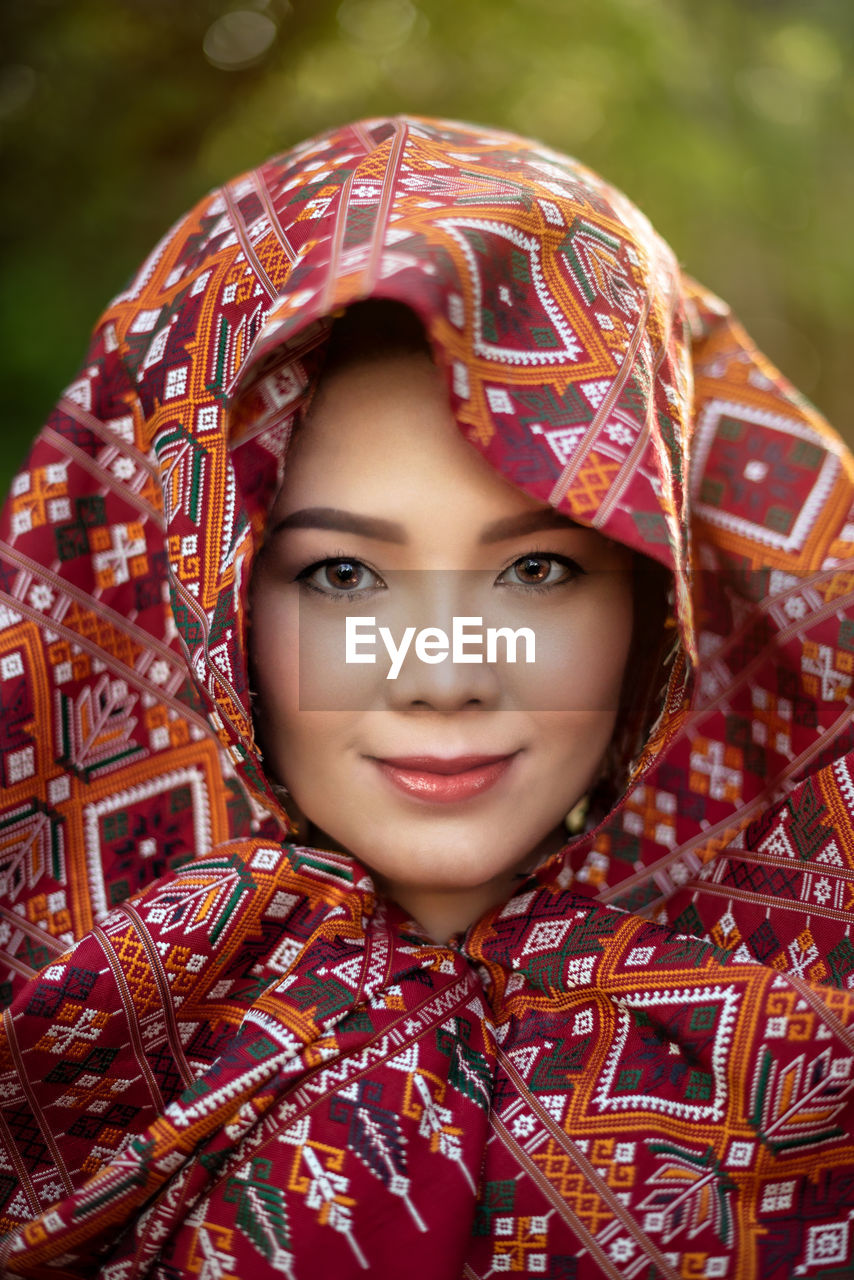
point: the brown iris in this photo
(343, 573)
(533, 569)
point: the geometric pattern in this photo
(222, 1053)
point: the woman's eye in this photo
(540, 571)
(340, 577)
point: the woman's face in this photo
(451, 778)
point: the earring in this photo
(576, 820)
(285, 799)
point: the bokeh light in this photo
(378, 25)
(239, 39)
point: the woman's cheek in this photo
(581, 653)
(341, 662)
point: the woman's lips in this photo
(443, 780)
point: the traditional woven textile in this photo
(222, 1055)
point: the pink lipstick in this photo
(444, 780)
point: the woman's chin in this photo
(456, 866)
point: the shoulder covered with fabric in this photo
(222, 1053)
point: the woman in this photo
(426, 1031)
(389, 751)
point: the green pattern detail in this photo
(360, 225)
(570, 252)
(497, 1197)
(252, 991)
(780, 519)
(251, 772)
(223, 617)
(807, 455)
(71, 541)
(180, 799)
(543, 336)
(841, 962)
(639, 896)
(629, 1079)
(91, 511)
(544, 404)
(334, 179)
(703, 1017)
(652, 526)
(197, 1089)
(245, 884)
(358, 1020)
(769, 1121)
(468, 1071)
(730, 429)
(185, 620)
(34, 954)
(547, 970)
(72, 538)
(722, 1182)
(300, 860)
(699, 1085)
(262, 1048)
(806, 829)
(521, 267)
(324, 995)
(670, 436)
(119, 892)
(261, 1212)
(198, 455)
(551, 1074)
(64, 755)
(688, 921)
(711, 492)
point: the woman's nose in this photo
(445, 666)
(445, 686)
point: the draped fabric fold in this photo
(222, 1053)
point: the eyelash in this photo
(340, 557)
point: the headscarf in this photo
(223, 1054)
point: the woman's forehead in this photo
(367, 525)
(381, 430)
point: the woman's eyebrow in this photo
(527, 522)
(392, 531)
(344, 521)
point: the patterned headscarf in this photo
(222, 1054)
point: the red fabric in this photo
(223, 1055)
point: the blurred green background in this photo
(728, 121)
